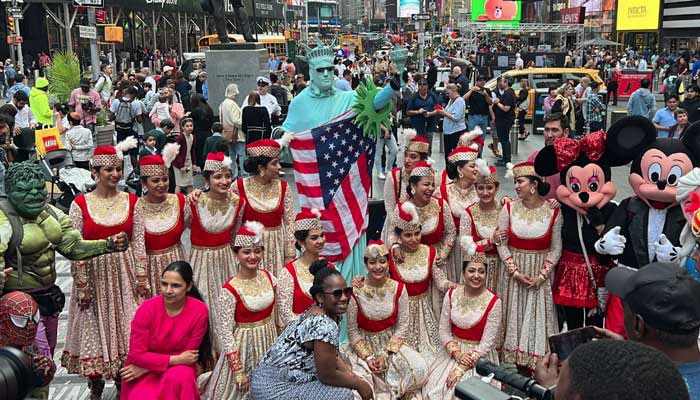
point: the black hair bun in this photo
(318, 266)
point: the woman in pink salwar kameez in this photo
(169, 336)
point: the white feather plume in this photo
(169, 153)
(286, 139)
(316, 212)
(430, 161)
(509, 170)
(410, 209)
(474, 146)
(468, 244)
(256, 227)
(125, 145)
(227, 162)
(468, 137)
(405, 137)
(483, 167)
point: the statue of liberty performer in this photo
(321, 102)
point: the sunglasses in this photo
(322, 69)
(339, 292)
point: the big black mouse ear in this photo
(546, 162)
(691, 140)
(627, 137)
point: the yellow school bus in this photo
(351, 42)
(275, 44)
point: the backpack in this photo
(13, 218)
(124, 117)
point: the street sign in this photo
(89, 3)
(18, 16)
(87, 32)
(420, 17)
(14, 10)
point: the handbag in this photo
(596, 319)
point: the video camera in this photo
(16, 374)
(476, 389)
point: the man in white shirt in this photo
(642, 66)
(24, 117)
(266, 99)
(104, 84)
(519, 63)
(147, 73)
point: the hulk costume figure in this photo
(31, 231)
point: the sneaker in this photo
(381, 175)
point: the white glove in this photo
(612, 243)
(665, 250)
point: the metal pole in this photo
(20, 57)
(306, 14)
(94, 57)
(66, 22)
(155, 30)
(111, 20)
(179, 34)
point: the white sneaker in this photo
(381, 175)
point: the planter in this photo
(104, 135)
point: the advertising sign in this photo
(408, 8)
(574, 15)
(635, 15)
(496, 10)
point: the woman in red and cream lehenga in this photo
(165, 215)
(529, 253)
(107, 289)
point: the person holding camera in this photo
(86, 102)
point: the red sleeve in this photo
(138, 343)
(614, 317)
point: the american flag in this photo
(332, 170)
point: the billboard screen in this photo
(496, 10)
(408, 8)
(633, 15)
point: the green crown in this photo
(318, 52)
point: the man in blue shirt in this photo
(344, 82)
(642, 102)
(664, 118)
(421, 109)
(661, 310)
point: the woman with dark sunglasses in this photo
(304, 362)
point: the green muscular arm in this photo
(5, 235)
(72, 245)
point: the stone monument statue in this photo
(217, 9)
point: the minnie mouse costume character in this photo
(646, 227)
(585, 194)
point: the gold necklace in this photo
(377, 291)
(216, 206)
(251, 286)
(163, 210)
(477, 303)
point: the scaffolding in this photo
(473, 29)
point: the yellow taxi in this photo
(541, 79)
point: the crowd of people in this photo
(249, 307)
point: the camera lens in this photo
(15, 373)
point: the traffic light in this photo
(11, 24)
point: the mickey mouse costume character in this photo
(585, 195)
(646, 227)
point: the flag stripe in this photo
(331, 172)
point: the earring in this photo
(461, 175)
(532, 190)
(262, 174)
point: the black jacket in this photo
(632, 215)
